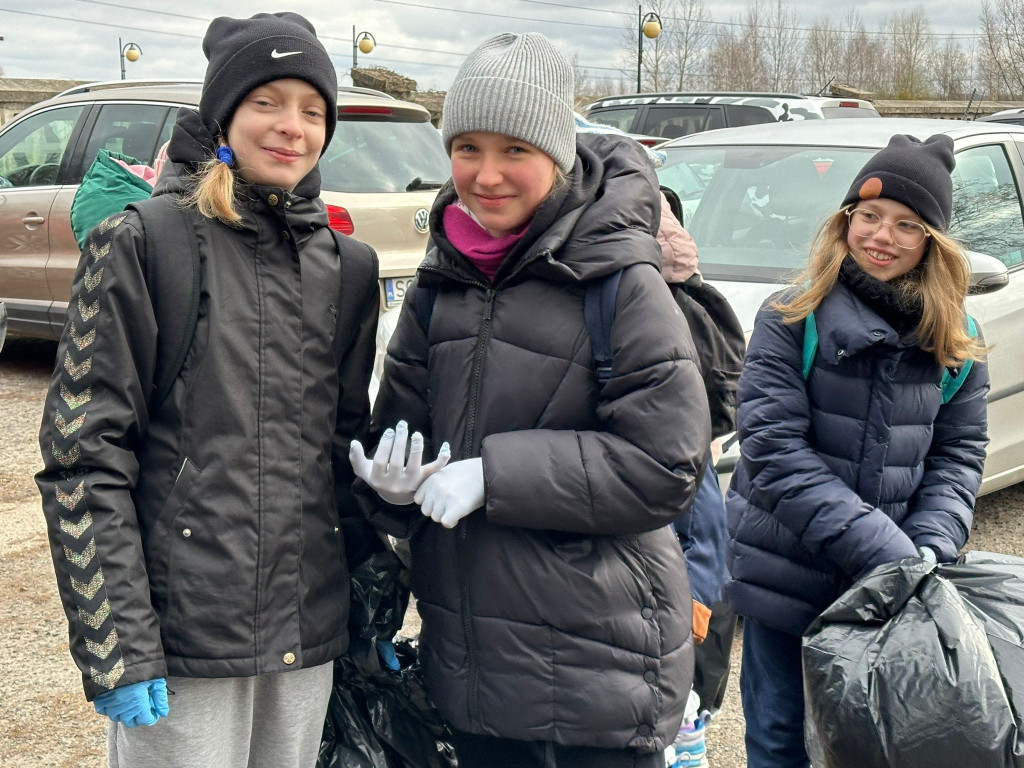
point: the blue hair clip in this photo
(226, 156)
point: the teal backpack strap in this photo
(950, 384)
(810, 345)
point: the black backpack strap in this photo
(173, 279)
(358, 267)
(599, 314)
(426, 295)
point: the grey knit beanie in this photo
(518, 85)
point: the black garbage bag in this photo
(379, 717)
(382, 718)
(920, 666)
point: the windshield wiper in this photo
(418, 183)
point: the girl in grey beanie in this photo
(555, 603)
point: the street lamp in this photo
(129, 51)
(364, 43)
(648, 26)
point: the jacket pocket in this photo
(159, 545)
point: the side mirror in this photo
(987, 274)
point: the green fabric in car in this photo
(106, 189)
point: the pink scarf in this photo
(476, 243)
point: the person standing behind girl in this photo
(554, 598)
(196, 540)
(858, 462)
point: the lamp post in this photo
(129, 51)
(647, 26)
(363, 42)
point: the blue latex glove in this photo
(386, 650)
(136, 704)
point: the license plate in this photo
(394, 290)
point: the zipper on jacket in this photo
(461, 542)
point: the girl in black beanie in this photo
(196, 536)
(861, 421)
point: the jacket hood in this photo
(603, 220)
(191, 144)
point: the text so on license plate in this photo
(395, 288)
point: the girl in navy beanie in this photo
(861, 421)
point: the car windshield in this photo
(753, 210)
(383, 156)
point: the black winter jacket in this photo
(855, 467)
(202, 539)
(560, 611)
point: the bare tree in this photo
(689, 38)
(590, 88)
(911, 53)
(781, 46)
(1001, 59)
(951, 68)
(736, 60)
(823, 54)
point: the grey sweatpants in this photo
(267, 721)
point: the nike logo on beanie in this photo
(275, 55)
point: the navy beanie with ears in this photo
(247, 53)
(912, 172)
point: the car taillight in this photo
(848, 104)
(366, 111)
(650, 142)
(339, 220)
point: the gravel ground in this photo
(45, 719)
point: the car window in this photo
(673, 122)
(986, 204)
(31, 151)
(760, 205)
(382, 156)
(616, 118)
(129, 129)
(741, 114)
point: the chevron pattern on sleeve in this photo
(105, 661)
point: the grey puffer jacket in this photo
(202, 539)
(855, 467)
(561, 610)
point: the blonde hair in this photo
(213, 192)
(943, 278)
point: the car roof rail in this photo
(364, 91)
(702, 94)
(102, 85)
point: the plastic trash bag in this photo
(920, 666)
(379, 717)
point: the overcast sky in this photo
(422, 39)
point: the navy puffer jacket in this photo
(856, 466)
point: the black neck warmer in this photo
(901, 308)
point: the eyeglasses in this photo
(905, 234)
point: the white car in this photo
(752, 199)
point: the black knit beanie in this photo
(911, 172)
(246, 53)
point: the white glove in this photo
(453, 493)
(928, 554)
(388, 474)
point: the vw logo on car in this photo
(421, 220)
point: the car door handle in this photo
(33, 220)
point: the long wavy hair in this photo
(213, 192)
(940, 282)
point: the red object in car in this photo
(339, 220)
(366, 111)
(651, 142)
